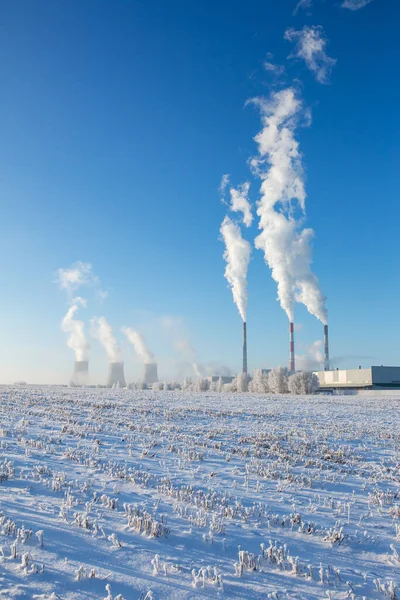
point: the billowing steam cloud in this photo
(240, 202)
(102, 331)
(139, 344)
(237, 256)
(77, 339)
(313, 357)
(286, 247)
(187, 351)
(75, 276)
(310, 46)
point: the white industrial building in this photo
(373, 378)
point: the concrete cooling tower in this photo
(116, 374)
(150, 373)
(80, 375)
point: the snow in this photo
(173, 495)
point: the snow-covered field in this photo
(171, 495)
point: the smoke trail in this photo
(139, 344)
(77, 339)
(187, 351)
(240, 202)
(237, 256)
(101, 330)
(286, 247)
(312, 359)
(75, 276)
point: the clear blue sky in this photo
(118, 119)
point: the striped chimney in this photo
(244, 347)
(326, 348)
(292, 367)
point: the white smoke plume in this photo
(355, 4)
(302, 4)
(75, 276)
(286, 247)
(224, 183)
(77, 339)
(139, 344)
(102, 331)
(240, 202)
(237, 255)
(310, 46)
(188, 353)
(312, 359)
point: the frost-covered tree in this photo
(242, 382)
(259, 383)
(304, 382)
(187, 384)
(278, 380)
(220, 385)
(202, 385)
(157, 386)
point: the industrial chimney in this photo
(150, 373)
(244, 369)
(116, 374)
(292, 366)
(80, 375)
(326, 349)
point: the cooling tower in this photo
(244, 369)
(81, 373)
(326, 349)
(150, 373)
(292, 366)
(116, 374)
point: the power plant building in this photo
(373, 378)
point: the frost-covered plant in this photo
(278, 380)
(304, 382)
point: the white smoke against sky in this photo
(72, 278)
(355, 4)
(138, 342)
(77, 339)
(310, 46)
(312, 359)
(240, 202)
(302, 5)
(237, 256)
(286, 247)
(102, 331)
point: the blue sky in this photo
(118, 120)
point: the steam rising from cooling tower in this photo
(287, 248)
(139, 344)
(77, 339)
(101, 330)
(150, 366)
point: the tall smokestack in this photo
(244, 370)
(80, 375)
(326, 348)
(292, 366)
(116, 374)
(150, 373)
